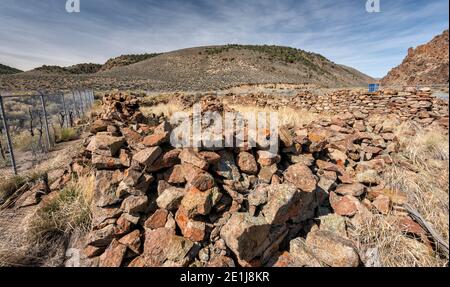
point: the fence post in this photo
(8, 137)
(66, 116)
(47, 132)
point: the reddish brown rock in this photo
(166, 160)
(105, 186)
(135, 204)
(92, 251)
(156, 139)
(247, 163)
(287, 202)
(383, 204)
(354, 189)
(211, 157)
(132, 241)
(191, 229)
(221, 261)
(175, 175)
(196, 202)
(245, 235)
(157, 220)
(162, 245)
(137, 262)
(203, 181)
(98, 126)
(147, 156)
(189, 156)
(102, 162)
(301, 176)
(266, 158)
(122, 226)
(113, 255)
(125, 158)
(170, 198)
(266, 173)
(345, 205)
(106, 145)
(406, 224)
(332, 249)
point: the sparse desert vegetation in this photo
(38, 236)
(66, 213)
(425, 183)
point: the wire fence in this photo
(31, 124)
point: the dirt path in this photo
(58, 157)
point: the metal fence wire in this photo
(32, 123)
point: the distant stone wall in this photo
(412, 105)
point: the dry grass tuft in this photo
(394, 248)
(162, 109)
(68, 212)
(286, 115)
(66, 134)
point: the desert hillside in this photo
(195, 69)
(5, 70)
(126, 60)
(223, 66)
(425, 65)
(78, 69)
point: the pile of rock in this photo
(155, 205)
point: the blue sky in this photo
(33, 33)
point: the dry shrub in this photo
(66, 213)
(66, 134)
(23, 141)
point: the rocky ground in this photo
(155, 205)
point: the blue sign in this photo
(374, 88)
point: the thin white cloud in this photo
(33, 33)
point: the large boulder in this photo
(170, 198)
(245, 235)
(105, 186)
(105, 144)
(162, 246)
(287, 202)
(332, 249)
